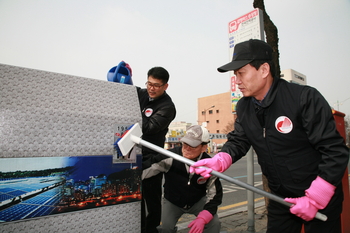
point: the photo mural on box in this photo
(39, 186)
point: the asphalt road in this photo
(235, 195)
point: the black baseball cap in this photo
(246, 52)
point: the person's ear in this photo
(166, 86)
(265, 69)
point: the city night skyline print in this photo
(39, 186)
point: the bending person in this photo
(292, 130)
(185, 192)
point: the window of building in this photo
(217, 110)
(217, 131)
(210, 111)
(217, 121)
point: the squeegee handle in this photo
(271, 196)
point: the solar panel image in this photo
(4, 196)
(17, 204)
(21, 211)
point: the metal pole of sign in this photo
(250, 194)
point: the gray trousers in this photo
(171, 214)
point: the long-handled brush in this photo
(133, 136)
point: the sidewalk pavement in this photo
(235, 220)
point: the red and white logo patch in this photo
(148, 112)
(283, 124)
(201, 180)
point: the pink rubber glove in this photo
(220, 162)
(197, 225)
(317, 197)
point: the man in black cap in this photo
(292, 130)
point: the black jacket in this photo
(181, 188)
(156, 117)
(294, 135)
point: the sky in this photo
(189, 38)
(42, 163)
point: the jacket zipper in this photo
(189, 178)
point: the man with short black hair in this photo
(186, 192)
(158, 110)
(292, 130)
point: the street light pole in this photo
(341, 103)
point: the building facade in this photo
(176, 131)
(214, 112)
(293, 76)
